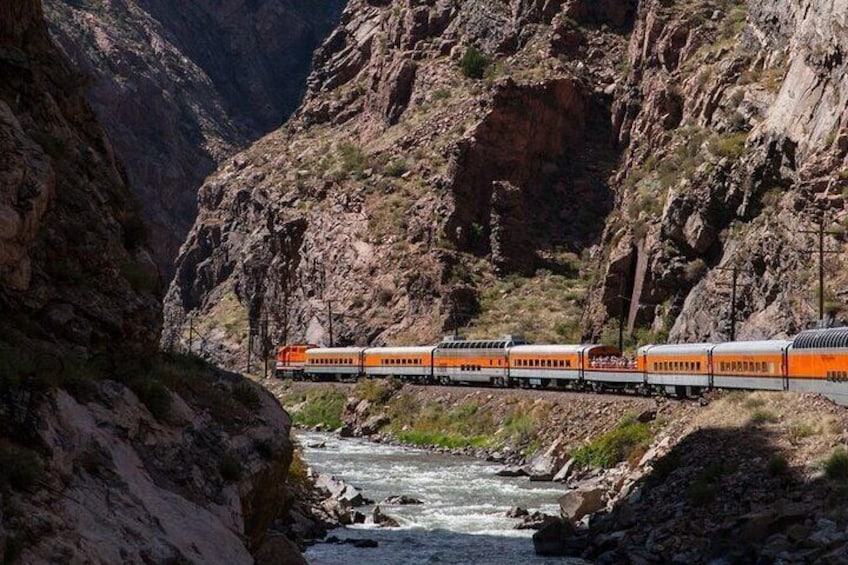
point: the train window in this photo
(568, 363)
(537, 363)
(548, 363)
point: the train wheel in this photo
(444, 380)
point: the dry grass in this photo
(545, 308)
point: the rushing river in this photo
(462, 519)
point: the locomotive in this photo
(814, 361)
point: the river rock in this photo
(346, 430)
(383, 520)
(557, 538)
(536, 521)
(545, 465)
(317, 445)
(516, 512)
(582, 501)
(402, 499)
(512, 472)
(373, 424)
(565, 471)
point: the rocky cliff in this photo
(74, 267)
(450, 156)
(109, 451)
(180, 86)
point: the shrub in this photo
(353, 159)
(230, 468)
(20, 468)
(705, 487)
(247, 395)
(377, 391)
(321, 407)
(761, 416)
(777, 466)
(154, 395)
(52, 145)
(730, 146)
(397, 168)
(836, 466)
(474, 63)
(614, 446)
(140, 277)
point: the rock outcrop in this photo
(109, 451)
(733, 149)
(181, 87)
(74, 267)
(122, 486)
(666, 142)
(402, 184)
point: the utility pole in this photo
(820, 232)
(330, 318)
(265, 346)
(735, 270)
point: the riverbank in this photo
(748, 474)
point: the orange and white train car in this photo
(539, 365)
(472, 361)
(685, 364)
(408, 363)
(756, 365)
(818, 362)
(334, 361)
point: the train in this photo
(814, 361)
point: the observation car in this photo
(474, 361)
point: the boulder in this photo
(512, 472)
(536, 521)
(346, 430)
(557, 538)
(516, 512)
(373, 424)
(582, 501)
(383, 520)
(402, 499)
(565, 471)
(544, 466)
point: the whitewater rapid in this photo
(462, 519)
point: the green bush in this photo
(705, 487)
(247, 395)
(761, 416)
(397, 168)
(321, 407)
(230, 468)
(353, 159)
(777, 466)
(474, 63)
(140, 277)
(836, 466)
(154, 395)
(20, 468)
(614, 446)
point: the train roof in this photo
(751, 347)
(475, 344)
(676, 349)
(821, 339)
(554, 349)
(405, 350)
(335, 350)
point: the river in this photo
(462, 519)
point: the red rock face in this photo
(74, 269)
(180, 86)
